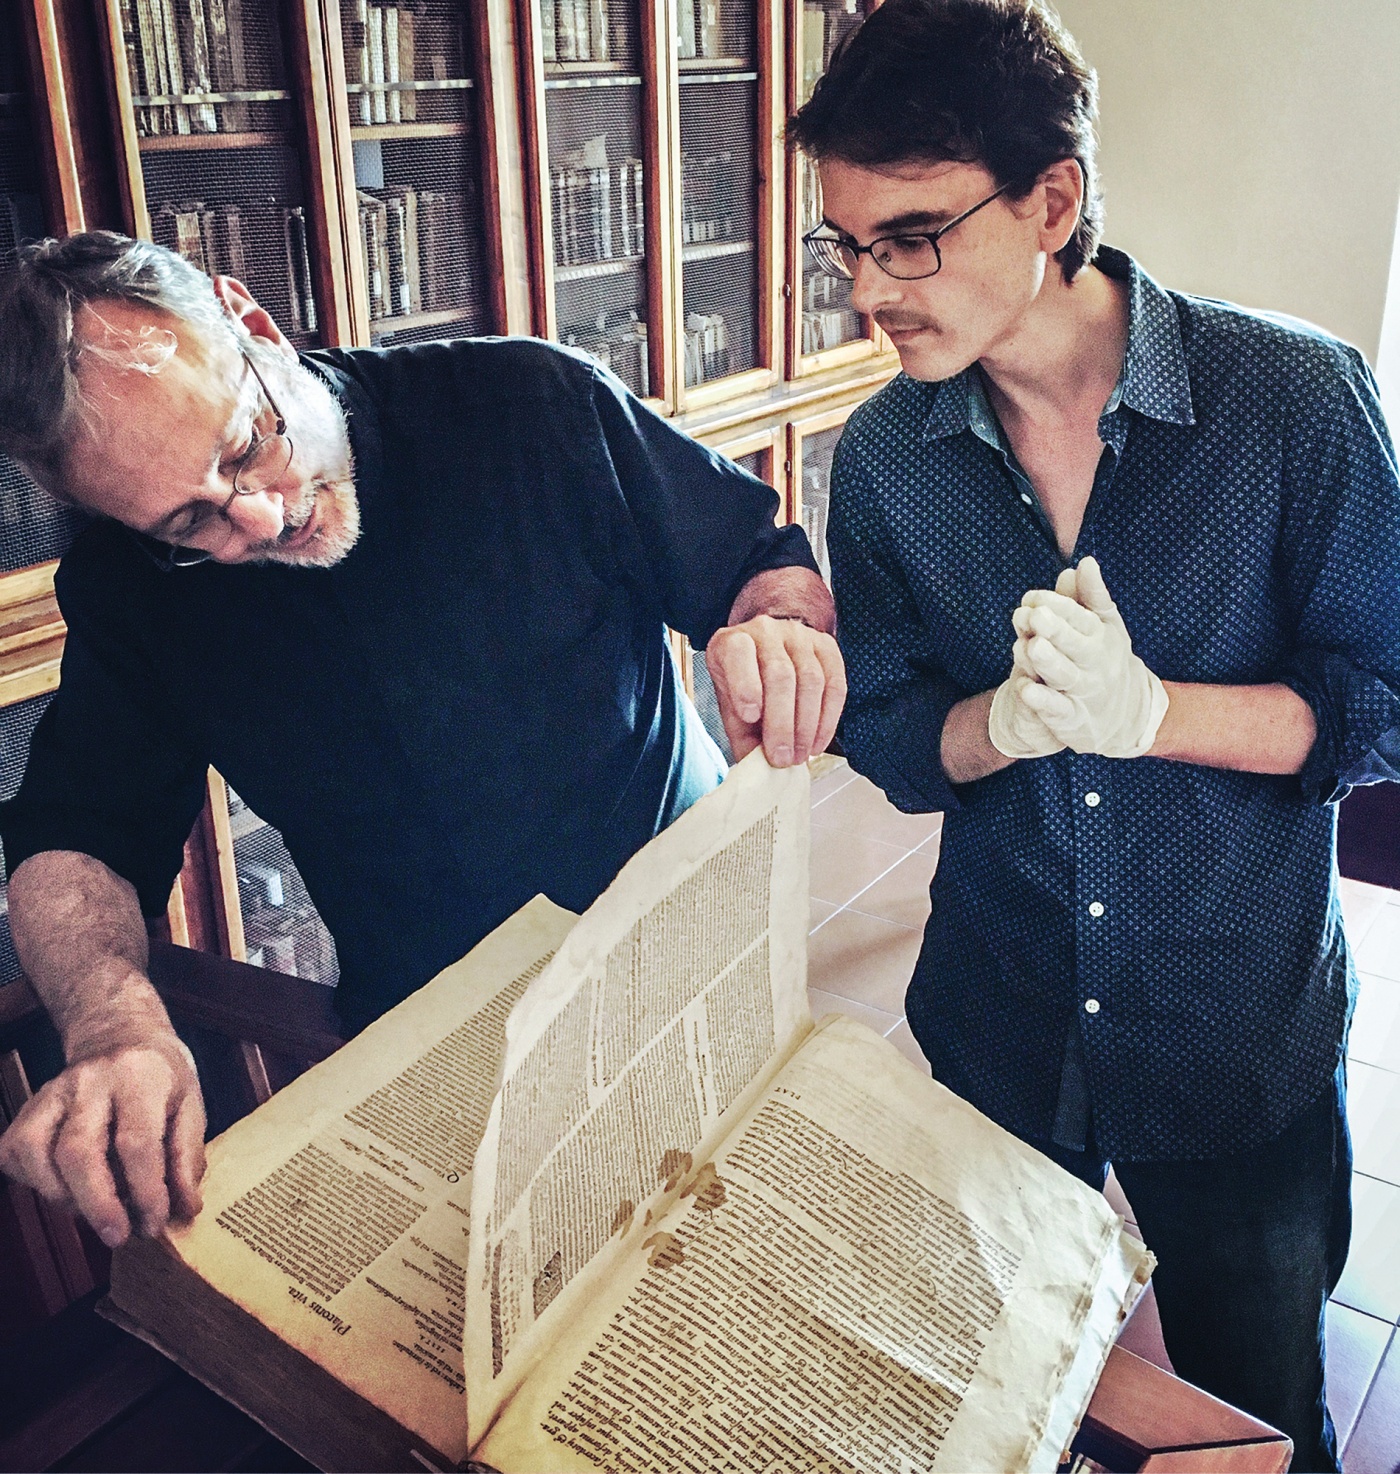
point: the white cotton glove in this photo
(1094, 693)
(1015, 730)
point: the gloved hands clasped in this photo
(1075, 681)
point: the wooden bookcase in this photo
(609, 173)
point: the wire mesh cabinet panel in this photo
(412, 84)
(596, 197)
(281, 927)
(721, 214)
(204, 90)
(812, 446)
(824, 319)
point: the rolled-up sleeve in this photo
(899, 697)
(1341, 569)
(107, 776)
(703, 526)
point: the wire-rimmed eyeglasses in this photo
(258, 468)
(908, 256)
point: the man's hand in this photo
(1013, 728)
(118, 1137)
(1096, 696)
(779, 683)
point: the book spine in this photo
(412, 261)
(359, 50)
(175, 68)
(605, 231)
(548, 41)
(194, 33)
(685, 28)
(581, 36)
(299, 269)
(376, 63)
(398, 273)
(234, 254)
(392, 100)
(639, 208)
(232, 114)
(568, 42)
(131, 50)
(711, 39)
(189, 234)
(408, 106)
(598, 29)
(152, 67)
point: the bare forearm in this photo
(1249, 729)
(966, 751)
(786, 593)
(81, 939)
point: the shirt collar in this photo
(1154, 380)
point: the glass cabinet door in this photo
(413, 96)
(717, 55)
(812, 446)
(825, 318)
(596, 199)
(205, 95)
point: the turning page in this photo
(338, 1213)
(872, 1278)
(659, 1019)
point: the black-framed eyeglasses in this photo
(258, 468)
(907, 256)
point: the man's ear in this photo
(243, 307)
(1063, 183)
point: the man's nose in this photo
(873, 288)
(258, 516)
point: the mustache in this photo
(892, 323)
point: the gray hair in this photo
(42, 409)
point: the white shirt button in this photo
(1025, 497)
(1095, 908)
(1091, 1005)
(1093, 800)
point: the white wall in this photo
(1251, 149)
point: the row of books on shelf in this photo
(414, 248)
(599, 210)
(698, 31)
(618, 340)
(829, 327)
(261, 243)
(578, 30)
(822, 27)
(709, 192)
(185, 57)
(706, 347)
(385, 45)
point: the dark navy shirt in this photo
(476, 705)
(1171, 930)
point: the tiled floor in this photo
(871, 866)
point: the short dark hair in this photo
(999, 83)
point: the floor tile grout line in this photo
(847, 905)
(1370, 1388)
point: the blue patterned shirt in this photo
(1167, 932)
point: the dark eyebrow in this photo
(911, 220)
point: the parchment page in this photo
(663, 1013)
(875, 1279)
(338, 1213)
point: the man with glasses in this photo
(411, 603)
(1118, 578)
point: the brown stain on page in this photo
(708, 1189)
(674, 1166)
(625, 1209)
(666, 1251)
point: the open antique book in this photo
(600, 1196)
